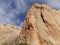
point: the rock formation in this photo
(41, 26)
(9, 34)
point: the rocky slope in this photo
(41, 26)
(9, 34)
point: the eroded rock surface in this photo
(41, 26)
(9, 34)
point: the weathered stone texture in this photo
(41, 26)
(9, 34)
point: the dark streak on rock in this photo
(42, 15)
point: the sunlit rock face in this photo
(41, 26)
(9, 34)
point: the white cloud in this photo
(53, 3)
(8, 13)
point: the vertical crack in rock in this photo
(31, 34)
(42, 14)
(42, 17)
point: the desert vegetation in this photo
(22, 44)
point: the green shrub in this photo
(22, 44)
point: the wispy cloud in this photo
(9, 9)
(55, 4)
(13, 11)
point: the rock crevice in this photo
(40, 26)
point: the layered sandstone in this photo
(41, 26)
(9, 34)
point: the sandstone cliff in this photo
(41, 26)
(9, 34)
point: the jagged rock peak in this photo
(37, 5)
(41, 26)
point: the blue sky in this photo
(14, 11)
